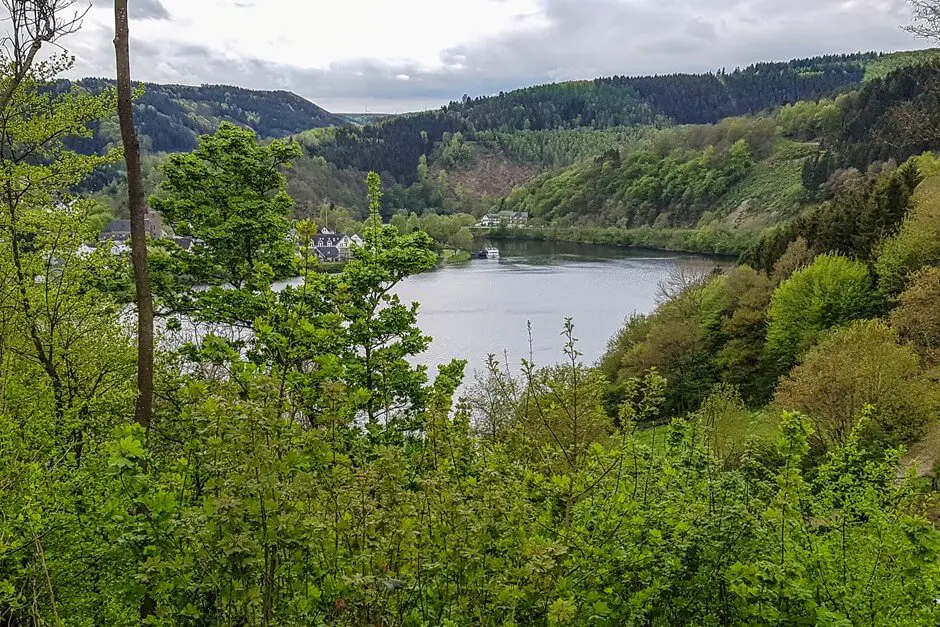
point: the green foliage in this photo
(453, 153)
(715, 239)
(313, 183)
(394, 145)
(832, 291)
(229, 194)
(303, 471)
(888, 63)
(863, 211)
(894, 117)
(730, 429)
(561, 148)
(709, 330)
(635, 190)
(917, 317)
(173, 117)
(809, 120)
(445, 230)
(916, 244)
(858, 367)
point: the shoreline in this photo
(724, 244)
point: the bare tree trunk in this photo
(138, 211)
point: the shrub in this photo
(916, 245)
(917, 316)
(832, 291)
(861, 365)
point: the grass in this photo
(736, 431)
(774, 187)
(451, 255)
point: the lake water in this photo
(483, 307)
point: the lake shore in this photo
(723, 243)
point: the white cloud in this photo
(406, 54)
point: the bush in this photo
(917, 316)
(832, 291)
(916, 245)
(862, 365)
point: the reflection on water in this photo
(483, 306)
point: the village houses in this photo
(330, 246)
(512, 219)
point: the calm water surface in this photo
(482, 307)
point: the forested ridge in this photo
(634, 166)
(759, 450)
(171, 117)
(394, 145)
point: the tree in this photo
(926, 14)
(66, 364)
(36, 172)
(383, 331)
(832, 291)
(917, 315)
(855, 367)
(138, 210)
(230, 195)
(917, 244)
(33, 24)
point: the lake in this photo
(482, 307)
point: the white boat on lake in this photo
(491, 252)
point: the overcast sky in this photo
(404, 55)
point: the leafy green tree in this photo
(66, 360)
(917, 316)
(917, 243)
(382, 330)
(832, 291)
(858, 366)
(230, 195)
(41, 225)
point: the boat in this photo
(490, 252)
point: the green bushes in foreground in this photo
(300, 469)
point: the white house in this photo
(512, 219)
(332, 246)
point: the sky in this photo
(393, 56)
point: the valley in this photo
(736, 154)
(647, 350)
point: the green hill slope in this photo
(394, 145)
(171, 117)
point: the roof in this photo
(115, 236)
(327, 252)
(118, 226)
(331, 239)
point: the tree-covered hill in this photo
(394, 145)
(722, 187)
(171, 117)
(893, 117)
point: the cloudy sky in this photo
(404, 55)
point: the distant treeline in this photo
(395, 145)
(171, 117)
(708, 98)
